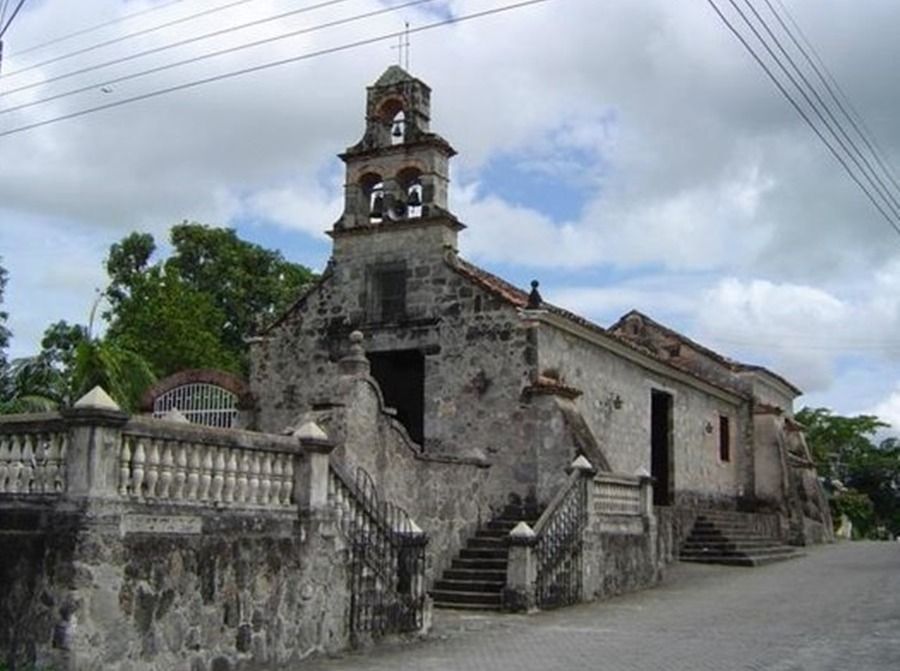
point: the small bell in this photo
(397, 131)
(377, 211)
(414, 200)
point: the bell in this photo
(414, 200)
(398, 130)
(377, 211)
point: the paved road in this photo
(836, 608)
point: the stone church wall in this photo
(616, 405)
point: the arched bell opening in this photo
(372, 186)
(409, 181)
(392, 115)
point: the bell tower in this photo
(397, 175)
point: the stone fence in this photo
(132, 542)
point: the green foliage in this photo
(171, 325)
(124, 374)
(4, 331)
(195, 309)
(844, 451)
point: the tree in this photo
(4, 331)
(248, 283)
(869, 474)
(122, 373)
(171, 325)
(195, 309)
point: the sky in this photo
(625, 154)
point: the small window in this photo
(388, 294)
(724, 439)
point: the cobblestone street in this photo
(836, 608)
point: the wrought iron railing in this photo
(387, 557)
(559, 545)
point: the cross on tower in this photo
(402, 48)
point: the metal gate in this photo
(201, 403)
(387, 561)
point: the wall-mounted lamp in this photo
(616, 401)
(708, 427)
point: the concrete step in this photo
(467, 598)
(487, 543)
(494, 553)
(471, 586)
(490, 575)
(478, 564)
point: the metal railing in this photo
(559, 545)
(387, 581)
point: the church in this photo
(473, 372)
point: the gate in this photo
(387, 559)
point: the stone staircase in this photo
(724, 537)
(476, 578)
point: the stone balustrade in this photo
(33, 451)
(617, 494)
(94, 450)
(184, 470)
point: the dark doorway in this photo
(661, 447)
(401, 376)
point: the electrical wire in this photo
(11, 18)
(173, 45)
(834, 89)
(866, 168)
(273, 64)
(802, 113)
(90, 29)
(128, 36)
(213, 54)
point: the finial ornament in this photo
(534, 298)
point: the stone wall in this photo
(89, 589)
(616, 405)
(478, 357)
(134, 543)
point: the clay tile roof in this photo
(519, 298)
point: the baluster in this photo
(207, 463)
(152, 473)
(194, 466)
(166, 470)
(124, 467)
(15, 464)
(241, 489)
(26, 476)
(61, 450)
(275, 481)
(231, 467)
(40, 463)
(265, 462)
(5, 459)
(253, 483)
(218, 480)
(138, 472)
(180, 478)
(287, 483)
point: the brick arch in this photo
(227, 381)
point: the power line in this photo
(803, 114)
(122, 38)
(11, 19)
(866, 169)
(90, 29)
(213, 54)
(273, 64)
(173, 45)
(834, 89)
